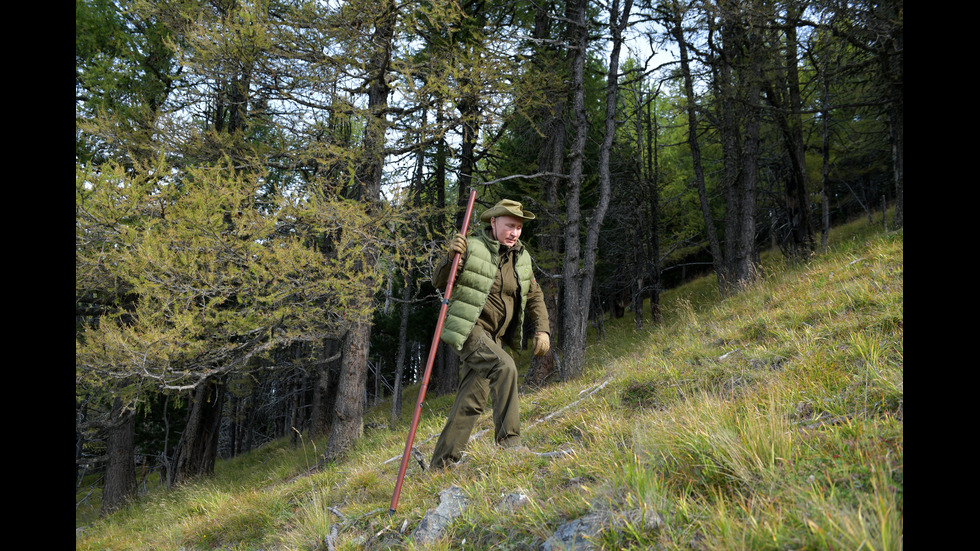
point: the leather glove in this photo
(542, 343)
(457, 245)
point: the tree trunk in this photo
(897, 128)
(642, 222)
(717, 259)
(348, 415)
(198, 447)
(81, 409)
(119, 483)
(447, 368)
(798, 240)
(324, 389)
(396, 395)
(348, 421)
(738, 79)
(653, 183)
(550, 161)
(575, 306)
(802, 225)
(296, 420)
(825, 120)
(579, 278)
(618, 20)
(896, 112)
(745, 259)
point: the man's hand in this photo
(542, 343)
(457, 245)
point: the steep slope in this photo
(771, 419)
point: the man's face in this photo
(507, 229)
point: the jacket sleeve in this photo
(537, 309)
(440, 275)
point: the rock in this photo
(452, 502)
(572, 536)
(576, 535)
(513, 501)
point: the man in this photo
(494, 288)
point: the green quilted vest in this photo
(473, 285)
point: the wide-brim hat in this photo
(506, 207)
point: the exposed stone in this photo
(513, 501)
(578, 534)
(573, 535)
(452, 502)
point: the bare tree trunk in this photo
(890, 25)
(198, 447)
(825, 114)
(396, 395)
(324, 390)
(575, 305)
(802, 225)
(897, 128)
(653, 184)
(744, 261)
(738, 80)
(638, 227)
(469, 112)
(119, 482)
(717, 259)
(348, 413)
(447, 368)
(295, 428)
(798, 240)
(579, 278)
(551, 159)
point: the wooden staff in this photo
(432, 356)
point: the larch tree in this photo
(124, 70)
(347, 425)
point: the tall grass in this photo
(768, 420)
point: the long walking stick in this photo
(432, 356)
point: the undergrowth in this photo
(771, 419)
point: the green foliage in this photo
(124, 70)
(204, 278)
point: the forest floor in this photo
(772, 419)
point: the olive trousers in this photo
(486, 371)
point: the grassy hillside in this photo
(768, 420)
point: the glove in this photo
(542, 343)
(457, 245)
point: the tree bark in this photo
(894, 65)
(653, 184)
(579, 276)
(198, 447)
(717, 258)
(348, 416)
(744, 261)
(551, 157)
(575, 306)
(324, 389)
(797, 242)
(119, 483)
(738, 80)
(396, 395)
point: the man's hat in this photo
(506, 208)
